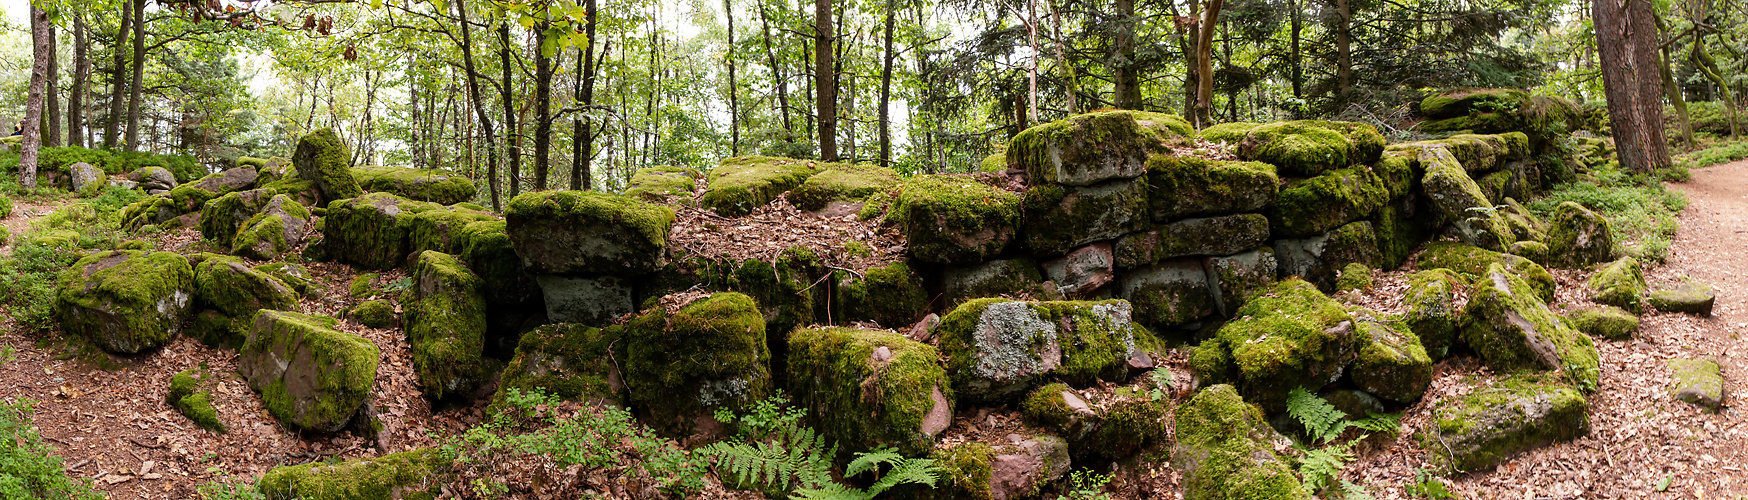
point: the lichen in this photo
(997, 348)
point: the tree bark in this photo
(1127, 81)
(583, 131)
(1295, 57)
(81, 82)
(52, 121)
(886, 86)
(505, 95)
(1344, 79)
(135, 90)
(542, 107)
(478, 99)
(1205, 64)
(1627, 40)
(776, 72)
(733, 84)
(31, 128)
(825, 80)
(1709, 67)
(117, 78)
(1674, 94)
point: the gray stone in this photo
(594, 301)
(1698, 381)
(1319, 259)
(1511, 329)
(125, 301)
(1392, 364)
(235, 179)
(154, 179)
(1238, 277)
(1174, 292)
(1690, 297)
(991, 279)
(1223, 235)
(1059, 219)
(1496, 422)
(1226, 449)
(310, 376)
(1020, 470)
(85, 175)
(280, 227)
(1081, 271)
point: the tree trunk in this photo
(511, 137)
(135, 90)
(416, 135)
(32, 141)
(1674, 94)
(776, 72)
(1127, 84)
(478, 99)
(885, 102)
(1627, 40)
(583, 131)
(1709, 67)
(733, 84)
(118, 73)
(1344, 79)
(1295, 58)
(81, 80)
(542, 107)
(825, 80)
(1205, 64)
(52, 121)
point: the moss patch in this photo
(559, 232)
(374, 313)
(842, 182)
(1186, 186)
(1289, 336)
(1059, 218)
(1621, 284)
(309, 375)
(1226, 450)
(1432, 313)
(1607, 322)
(868, 388)
(1513, 330)
(407, 474)
(661, 183)
(1494, 423)
(446, 325)
(432, 185)
(955, 219)
(710, 354)
(891, 295)
(125, 301)
(573, 362)
(1090, 148)
(1392, 364)
(189, 398)
(1310, 147)
(321, 157)
(740, 184)
(1472, 262)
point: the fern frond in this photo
(1381, 422)
(796, 456)
(1321, 420)
(1322, 465)
(906, 471)
(871, 460)
(830, 492)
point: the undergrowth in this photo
(1639, 210)
(29, 469)
(774, 454)
(27, 276)
(1723, 153)
(1322, 455)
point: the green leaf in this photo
(1663, 484)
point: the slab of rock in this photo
(1184, 186)
(1513, 330)
(1115, 428)
(1289, 336)
(891, 295)
(1690, 297)
(1494, 423)
(1698, 381)
(1061, 218)
(1391, 363)
(446, 326)
(1022, 470)
(399, 475)
(310, 376)
(870, 388)
(1173, 292)
(842, 182)
(221, 217)
(321, 157)
(681, 366)
(1473, 261)
(1607, 322)
(741, 184)
(1457, 200)
(86, 176)
(994, 278)
(1083, 270)
(1087, 149)
(276, 230)
(1237, 278)
(1306, 207)
(125, 301)
(237, 292)
(659, 183)
(595, 301)
(1432, 312)
(1621, 284)
(365, 231)
(1226, 449)
(578, 232)
(998, 349)
(1320, 259)
(154, 178)
(571, 361)
(1578, 237)
(1222, 235)
(1311, 147)
(955, 220)
(432, 185)
(486, 247)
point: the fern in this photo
(1321, 465)
(902, 471)
(1321, 420)
(1389, 423)
(794, 457)
(1351, 491)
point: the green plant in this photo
(1641, 214)
(7, 354)
(899, 470)
(1429, 485)
(1163, 380)
(772, 451)
(1085, 484)
(1321, 462)
(29, 469)
(227, 487)
(1351, 491)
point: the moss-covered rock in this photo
(1471, 261)
(1607, 322)
(1513, 330)
(1171, 293)
(1289, 336)
(785, 293)
(890, 295)
(1087, 149)
(996, 278)
(1060, 218)
(743, 183)
(221, 217)
(432, 185)
(681, 366)
(440, 229)
(370, 231)
(1181, 186)
(1319, 259)
(1535, 251)
(1493, 423)
(1237, 278)
(400, 475)
(189, 397)
(486, 247)
(1392, 364)
(567, 360)
(1621, 284)
(1578, 237)
(1230, 133)
(1062, 410)
(1222, 235)
(1084, 271)
(1400, 228)
(1226, 450)
(278, 228)
(236, 291)
(1465, 101)
(1432, 312)
(310, 376)
(1354, 276)
(1457, 200)
(374, 313)
(1310, 147)
(446, 326)
(559, 232)
(966, 473)
(842, 182)
(294, 275)
(125, 301)
(1689, 297)
(866, 388)
(997, 162)
(998, 349)
(661, 183)
(1310, 206)
(321, 157)
(1697, 381)
(955, 220)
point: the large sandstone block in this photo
(321, 157)
(1432, 312)
(1319, 259)
(1226, 449)
(955, 220)
(661, 183)
(1183, 186)
(1288, 337)
(1496, 422)
(843, 183)
(991, 279)
(1171, 293)
(1221, 235)
(1091, 148)
(446, 326)
(594, 301)
(1306, 207)
(997, 349)
(867, 388)
(1237, 278)
(681, 366)
(125, 301)
(740, 184)
(371, 231)
(1058, 218)
(237, 292)
(310, 376)
(567, 360)
(891, 296)
(1513, 330)
(277, 229)
(1457, 200)
(1472, 261)
(577, 232)
(1310, 147)
(432, 185)
(1579, 238)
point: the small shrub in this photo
(29, 469)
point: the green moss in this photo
(1457, 200)
(1607, 322)
(1432, 313)
(1046, 407)
(1496, 422)
(269, 233)
(439, 229)
(1697, 381)
(890, 295)
(323, 158)
(1309, 147)
(432, 185)
(1513, 330)
(1221, 235)
(1399, 233)
(485, 245)
(867, 388)
(1392, 364)
(1289, 336)
(1689, 297)
(186, 396)
(364, 285)
(1224, 449)
(723, 337)
(1020, 347)
(373, 313)
(572, 362)
(1098, 340)
(994, 163)
(740, 184)
(875, 206)
(1059, 218)
(1465, 101)
(950, 219)
(1212, 363)
(965, 471)
(1621, 284)
(1311, 206)
(221, 217)
(1230, 133)
(1180, 186)
(786, 294)
(446, 326)
(660, 183)
(319, 394)
(408, 474)
(1126, 426)
(1578, 237)
(371, 230)
(125, 301)
(588, 232)
(1471, 261)
(226, 284)
(1089, 148)
(842, 182)
(1354, 276)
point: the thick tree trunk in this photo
(478, 99)
(1344, 79)
(1627, 40)
(733, 83)
(886, 86)
(51, 123)
(542, 109)
(583, 132)
(776, 72)
(117, 77)
(33, 104)
(506, 95)
(825, 80)
(135, 90)
(1127, 84)
(81, 81)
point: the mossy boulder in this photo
(1319, 259)
(441, 229)
(571, 361)
(995, 278)
(1221, 235)
(785, 293)
(295, 275)
(188, 395)
(1306, 207)
(1432, 313)
(1392, 364)
(321, 157)
(374, 313)
(743, 183)
(842, 182)
(404, 475)
(1226, 449)
(1535, 251)
(890, 295)
(371, 231)
(997, 349)
(1230, 133)
(661, 183)
(1495, 422)
(125, 301)
(446, 326)
(866, 388)
(681, 366)
(1401, 228)
(486, 247)
(221, 217)
(310, 376)
(1578, 237)
(1697, 381)
(1182, 186)
(1087, 149)
(1457, 200)
(1237, 278)
(1061, 410)
(955, 220)
(278, 228)
(1513, 330)
(1621, 284)
(1310, 147)
(1609, 322)
(237, 292)
(563, 232)
(1171, 293)
(1289, 336)
(1689, 297)
(1060, 218)
(1354, 277)
(1465, 101)
(966, 472)
(1472, 262)
(423, 184)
